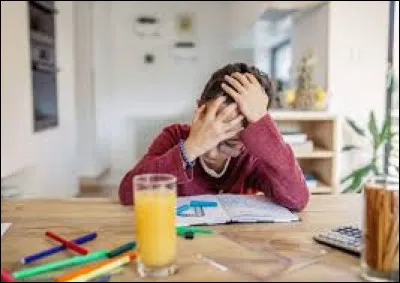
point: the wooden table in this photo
(255, 252)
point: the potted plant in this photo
(378, 137)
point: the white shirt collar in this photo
(212, 172)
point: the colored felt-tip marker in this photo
(6, 277)
(68, 244)
(181, 231)
(54, 250)
(182, 209)
(120, 250)
(105, 269)
(105, 278)
(196, 203)
(76, 260)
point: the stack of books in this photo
(311, 181)
(298, 141)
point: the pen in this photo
(68, 244)
(51, 251)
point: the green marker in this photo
(76, 260)
(182, 230)
(120, 250)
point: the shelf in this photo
(287, 115)
(321, 189)
(317, 153)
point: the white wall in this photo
(243, 14)
(166, 89)
(245, 55)
(53, 168)
(102, 83)
(358, 38)
(310, 31)
(16, 110)
(92, 72)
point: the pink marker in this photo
(6, 277)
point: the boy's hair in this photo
(213, 87)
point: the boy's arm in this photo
(276, 172)
(163, 156)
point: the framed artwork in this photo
(185, 24)
(147, 26)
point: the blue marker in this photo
(51, 251)
(196, 203)
(105, 278)
(182, 209)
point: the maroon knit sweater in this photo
(267, 165)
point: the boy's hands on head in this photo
(209, 128)
(248, 94)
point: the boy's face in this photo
(228, 148)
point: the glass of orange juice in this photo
(155, 206)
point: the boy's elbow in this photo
(302, 200)
(126, 191)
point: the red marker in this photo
(79, 249)
(6, 277)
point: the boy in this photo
(232, 145)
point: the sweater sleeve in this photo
(164, 157)
(276, 172)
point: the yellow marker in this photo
(103, 270)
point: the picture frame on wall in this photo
(147, 26)
(185, 51)
(185, 24)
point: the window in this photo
(393, 92)
(281, 62)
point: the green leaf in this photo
(355, 127)
(349, 147)
(385, 134)
(373, 129)
(358, 172)
(355, 186)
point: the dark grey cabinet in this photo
(42, 15)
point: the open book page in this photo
(254, 209)
(201, 216)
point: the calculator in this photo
(346, 238)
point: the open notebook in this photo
(233, 209)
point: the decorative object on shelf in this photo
(149, 58)
(147, 26)
(306, 95)
(185, 24)
(185, 50)
(43, 64)
(304, 98)
(379, 137)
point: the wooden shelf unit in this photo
(321, 128)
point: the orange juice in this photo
(155, 226)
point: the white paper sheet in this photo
(254, 209)
(233, 208)
(212, 215)
(4, 228)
